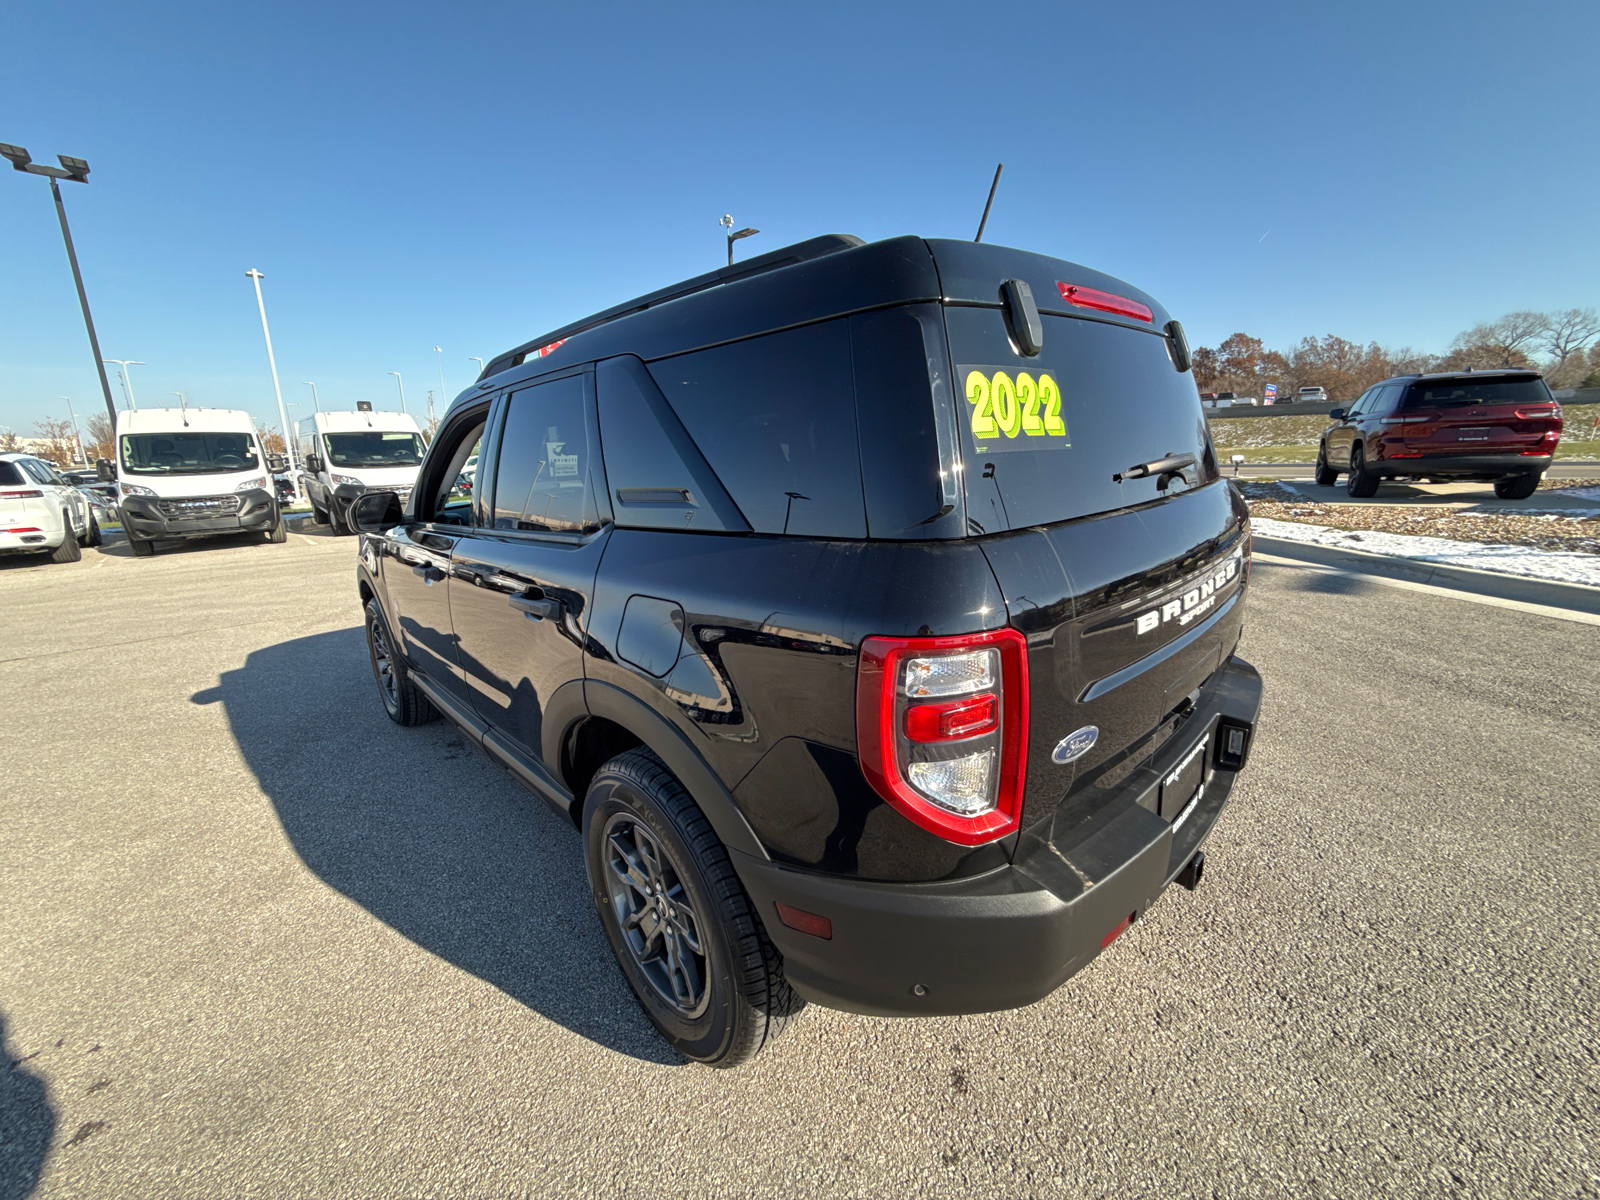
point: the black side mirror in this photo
(1337, 414)
(313, 464)
(374, 511)
(277, 462)
(105, 470)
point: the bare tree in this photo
(271, 439)
(1503, 343)
(1565, 336)
(57, 441)
(101, 437)
(10, 443)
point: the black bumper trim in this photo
(141, 516)
(1487, 465)
(1011, 936)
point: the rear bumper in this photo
(1486, 466)
(142, 517)
(44, 539)
(1011, 936)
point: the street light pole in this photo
(476, 359)
(727, 223)
(256, 277)
(76, 436)
(317, 404)
(443, 395)
(77, 170)
(402, 384)
(127, 381)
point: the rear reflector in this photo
(1121, 925)
(815, 924)
(1087, 297)
(953, 719)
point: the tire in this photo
(708, 977)
(95, 537)
(279, 533)
(141, 547)
(1325, 475)
(69, 550)
(340, 529)
(319, 515)
(1517, 487)
(402, 698)
(1360, 484)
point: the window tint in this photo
(1042, 437)
(775, 418)
(374, 448)
(542, 481)
(10, 475)
(37, 470)
(1453, 393)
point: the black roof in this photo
(816, 280)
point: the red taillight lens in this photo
(942, 730)
(1536, 414)
(1087, 297)
(22, 529)
(21, 495)
(953, 719)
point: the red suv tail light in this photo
(942, 730)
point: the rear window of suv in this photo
(10, 475)
(1042, 437)
(1452, 393)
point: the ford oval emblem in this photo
(1076, 744)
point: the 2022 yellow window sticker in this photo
(1007, 411)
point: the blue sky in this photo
(470, 175)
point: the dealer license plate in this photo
(1182, 783)
(1473, 435)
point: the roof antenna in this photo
(990, 204)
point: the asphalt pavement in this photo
(258, 941)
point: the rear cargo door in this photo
(1125, 583)
(1495, 415)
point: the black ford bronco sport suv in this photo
(872, 609)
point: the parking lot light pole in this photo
(727, 223)
(127, 381)
(77, 170)
(76, 436)
(256, 277)
(476, 359)
(315, 403)
(442, 393)
(402, 384)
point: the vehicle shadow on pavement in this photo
(27, 1125)
(423, 831)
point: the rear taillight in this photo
(1087, 297)
(1541, 413)
(1547, 444)
(21, 495)
(1408, 420)
(942, 730)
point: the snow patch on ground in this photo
(1509, 560)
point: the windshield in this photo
(188, 452)
(374, 448)
(1045, 438)
(1452, 393)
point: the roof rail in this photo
(817, 247)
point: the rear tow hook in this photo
(1193, 870)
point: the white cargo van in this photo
(192, 472)
(342, 454)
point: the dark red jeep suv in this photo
(1490, 425)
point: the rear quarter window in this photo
(1043, 437)
(10, 476)
(775, 418)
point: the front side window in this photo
(542, 478)
(188, 452)
(374, 448)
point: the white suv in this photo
(39, 510)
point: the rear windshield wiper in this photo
(1163, 468)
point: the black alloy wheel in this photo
(403, 700)
(1360, 484)
(655, 914)
(680, 923)
(1325, 475)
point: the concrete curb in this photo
(1577, 597)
